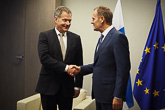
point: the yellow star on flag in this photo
(146, 91)
(138, 71)
(164, 47)
(147, 50)
(156, 45)
(156, 93)
(141, 59)
(139, 82)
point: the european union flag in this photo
(149, 87)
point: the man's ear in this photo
(55, 19)
(102, 19)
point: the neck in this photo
(104, 27)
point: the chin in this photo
(64, 30)
(95, 29)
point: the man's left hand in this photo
(76, 93)
(117, 104)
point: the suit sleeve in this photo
(45, 57)
(79, 61)
(121, 53)
(87, 69)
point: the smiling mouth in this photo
(66, 27)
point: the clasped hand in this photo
(73, 70)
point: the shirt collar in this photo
(107, 30)
(59, 32)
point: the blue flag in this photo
(118, 23)
(149, 86)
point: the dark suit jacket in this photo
(110, 68)
(52, 76)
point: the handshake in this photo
(73, 70)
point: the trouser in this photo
(50, 102)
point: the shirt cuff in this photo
(76, 88)
(118, 98)
(66, 68)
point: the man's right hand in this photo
(73, 70)
(78, 69)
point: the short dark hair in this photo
(106, 12)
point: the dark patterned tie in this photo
(100, 40)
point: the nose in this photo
(68, 23)
(92, 22)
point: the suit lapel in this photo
(102, 45)
(56, 43)
(69, 41)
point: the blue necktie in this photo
(100, 40)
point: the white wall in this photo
(138, 16)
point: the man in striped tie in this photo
(58, 48)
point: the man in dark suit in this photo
(111, 63)
(58, 49)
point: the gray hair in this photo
(58, 11)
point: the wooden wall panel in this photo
(21, 22)
(12, 44)
(39, 17)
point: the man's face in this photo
(63, 23)
(96, 22)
